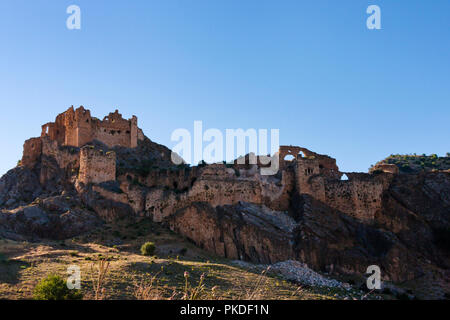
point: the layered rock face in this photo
(325, 238)
(305, 212)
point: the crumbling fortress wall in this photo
(32, 150)
(308, 174)
(61, 141)
(218, 185)
(319, 177)
(96, 166)
(301, 171)
(77, 128)
(359, 197)
(64, 142)
(308, 211)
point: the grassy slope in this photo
(23, 264)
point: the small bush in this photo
(54, 288)
(148, 249)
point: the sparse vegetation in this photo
(98, 274)
(148, 249)
(149, 289)
(414, 163)
(54, 288)
(125, 274)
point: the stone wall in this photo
(32, 150)
(218, 185)
(305, 170)
(96, 166)
(65, 157)
(247, 232)
(359, 197)
(78, 127)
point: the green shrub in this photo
(54, 288)
(148, 249)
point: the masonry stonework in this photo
(32, 150)
(318, 176)
(96, 166)
(305, 172)
(77, 128)
(61, 140)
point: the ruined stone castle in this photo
(68, 141)
(308, 211)
(358, 195)
(77, 128)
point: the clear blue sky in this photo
(310, 68)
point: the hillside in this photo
(417, 163)
(103, 187)
(133, 276)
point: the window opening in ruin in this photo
(288, 157)
(344, 177)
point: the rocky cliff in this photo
(306, 212)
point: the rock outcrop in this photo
(74, 177)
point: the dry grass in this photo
(98, 274)
(121, 272)
(149, 289)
